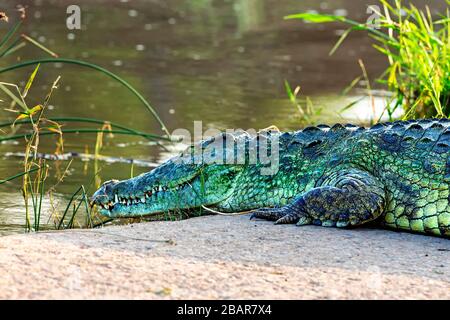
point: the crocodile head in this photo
(177, 184)
(169, 187)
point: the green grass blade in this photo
(13, 49)
(289, 92)
(2, 181)
(351, 104)
(315, 17)
(320, 18)
(351, 85)
(83, 130)
(42, 178)
(10, 47)
(98, 68)
(30, 81)
(339, 42)
(10, 33)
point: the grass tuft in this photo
(417, 46)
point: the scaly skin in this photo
(394, 174)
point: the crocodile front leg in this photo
(345, 198)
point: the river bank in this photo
(224, 257)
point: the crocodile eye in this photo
(108, 185)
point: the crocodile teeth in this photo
(134, 200)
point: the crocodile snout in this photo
(104, 193)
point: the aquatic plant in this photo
(305, 110)
(35, 124)
(417, 46)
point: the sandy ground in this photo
(224, 257)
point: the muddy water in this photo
(221, 62)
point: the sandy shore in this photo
(224, 257)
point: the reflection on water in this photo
(223, 62)
(13, 220)
(365, 107)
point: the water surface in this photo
(221, 62)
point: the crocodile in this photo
(393, 175)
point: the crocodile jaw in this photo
(165, 190)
